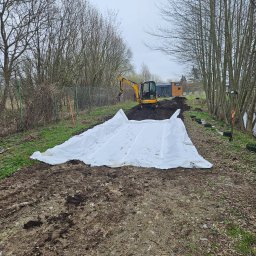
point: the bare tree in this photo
(50, 47)
(16, 19)
(145, 72)
(218, 38)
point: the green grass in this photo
(240, 139)
(237, 147)
(245, 242)
(209, 119)
(20, 146)
(191, 97)
(195, 103)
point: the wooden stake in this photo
(71, 111)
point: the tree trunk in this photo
(6, 92)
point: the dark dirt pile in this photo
(165, 110)
(74, 209)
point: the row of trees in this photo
(57, 43)
(144, 75)
(219, 39)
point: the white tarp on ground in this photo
(117, 142)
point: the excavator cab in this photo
(148, 92)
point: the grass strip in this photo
(20, 146)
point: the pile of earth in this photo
(165, 110)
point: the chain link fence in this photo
(28, 107)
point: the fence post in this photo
(76, 98)
(55, 108)
(71, 111)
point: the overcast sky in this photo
(135, 18)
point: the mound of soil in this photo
(164, 110)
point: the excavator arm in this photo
(123, 81)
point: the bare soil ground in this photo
(74, 209)
(164, 110)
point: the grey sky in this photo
(136, 17)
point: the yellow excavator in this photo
(145, 93)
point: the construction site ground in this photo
(75, 209)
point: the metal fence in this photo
(28, 107)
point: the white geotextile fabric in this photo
(118, 142)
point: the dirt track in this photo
(73, 209)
